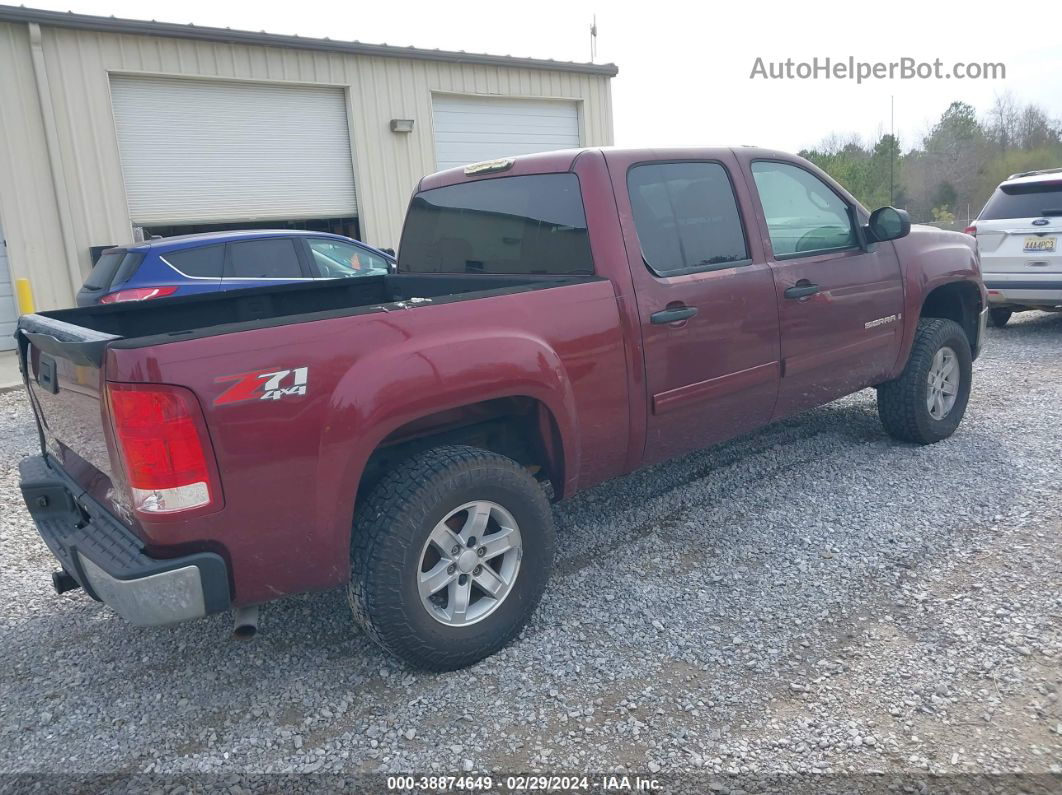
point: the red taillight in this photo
(971, 230)
(138, 294)
(162, 448)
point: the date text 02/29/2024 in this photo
(522, 783)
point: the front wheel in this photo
(927, 402)
(450, 554)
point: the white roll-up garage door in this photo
(8, 312)
(203, 151)
(470, 129)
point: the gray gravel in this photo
(814, 597)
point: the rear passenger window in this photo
(202, 263)
(264, 259)
(687, 217)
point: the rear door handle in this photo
(801, 290)
(665, 316)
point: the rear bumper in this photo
(1023, 292)
(109, 562)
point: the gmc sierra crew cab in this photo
(556, 320)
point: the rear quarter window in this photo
(103, 271)
(130, 264)
(512, 225)
(1030, 200)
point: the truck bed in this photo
(82, 334)
(374, 363)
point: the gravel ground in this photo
(811, 598)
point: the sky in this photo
(684, 68)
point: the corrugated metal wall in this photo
(28, 209)
(78, 64)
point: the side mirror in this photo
(888, 223)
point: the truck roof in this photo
(563, 159)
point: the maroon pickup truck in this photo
(556, 320)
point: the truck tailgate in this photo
(63, 371)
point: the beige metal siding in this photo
(79, 63)
(27, 201)
(8, 310)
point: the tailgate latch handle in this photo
(46, 375)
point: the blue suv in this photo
(205, 263)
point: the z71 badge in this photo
(263, 385)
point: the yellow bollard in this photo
(25, 296)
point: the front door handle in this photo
(665, 316)
(803, 289)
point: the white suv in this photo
(1018, 235)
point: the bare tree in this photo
(1034, 129)
(1003, 120)
(835, 143)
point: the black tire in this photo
(391, 528)
(999, 317)
(902, 402)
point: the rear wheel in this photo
(450, 555)
(927, 402)
(999, 317)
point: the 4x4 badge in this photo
(267, 384)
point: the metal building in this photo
(114, 129)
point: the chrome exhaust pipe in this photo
(246, 623)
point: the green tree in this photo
(959, 163)
(884, 178)
(957, 149)
(1015, 162)
(943, 216)
(865, 174)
